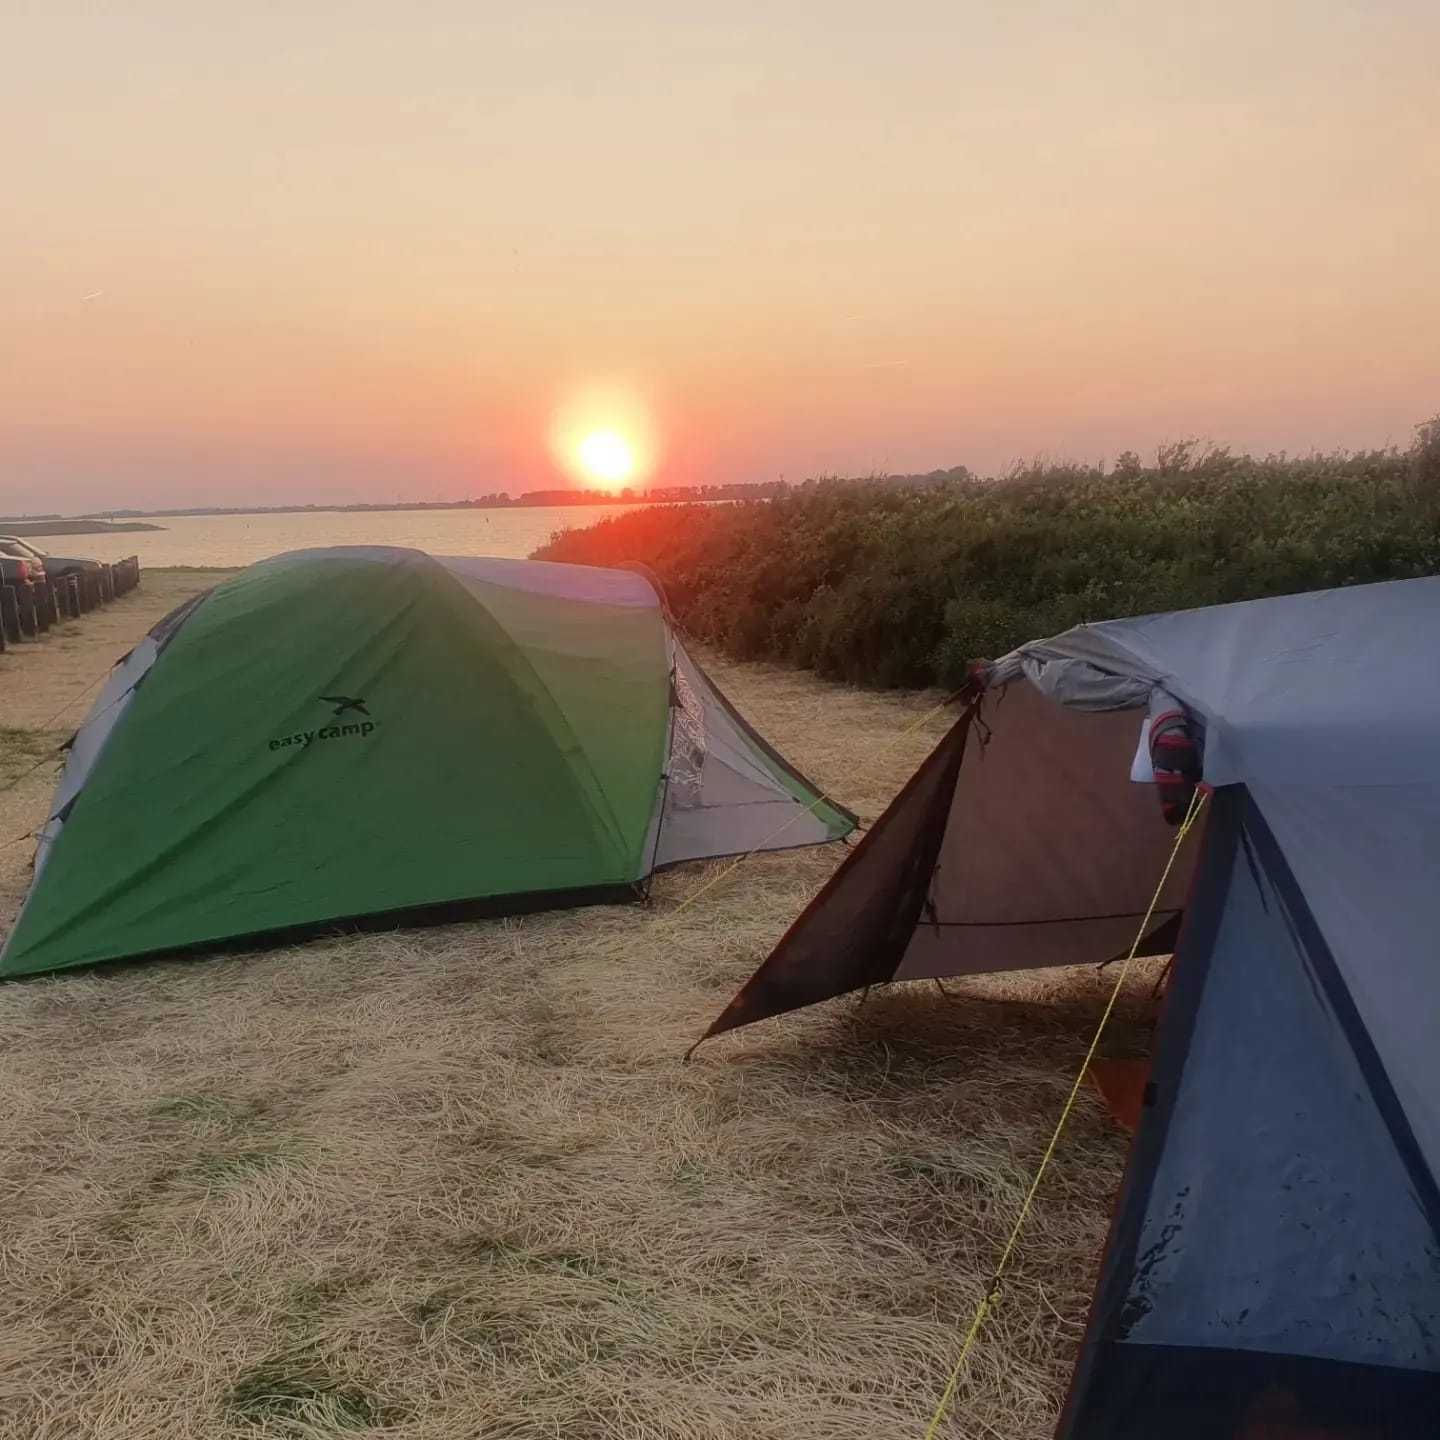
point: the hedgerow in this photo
(894, 584)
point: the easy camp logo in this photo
(342, 705)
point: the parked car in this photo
(25, 574)
(18, 566)
(56, 566)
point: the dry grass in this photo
(457, 1183)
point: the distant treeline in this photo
(901, 583)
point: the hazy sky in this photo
(274, 252)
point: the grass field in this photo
(457, 1183)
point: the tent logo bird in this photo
(342, 703)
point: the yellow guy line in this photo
(821, 799)
(992, 1290)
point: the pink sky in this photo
(352, 251)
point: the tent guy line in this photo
(59, 749)
(992, 1288)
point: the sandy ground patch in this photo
(457, 1182)
(37, 679)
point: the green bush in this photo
(897, 584)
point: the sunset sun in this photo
(603, 435)
(606, 457)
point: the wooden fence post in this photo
(25, 596)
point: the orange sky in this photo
(361, 251)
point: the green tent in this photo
(345, 734)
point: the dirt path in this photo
(440, 1184)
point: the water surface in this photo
(225, 540)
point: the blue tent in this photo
(1273, 1267)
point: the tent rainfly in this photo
(1273, 1266)
(378, 734)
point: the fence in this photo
(28, 610)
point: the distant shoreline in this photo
(500, 500)
(214, 511)
(119, 519)
(38, 525)
(83, 526)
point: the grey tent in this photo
(1274, 1260)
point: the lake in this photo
(226, 540)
